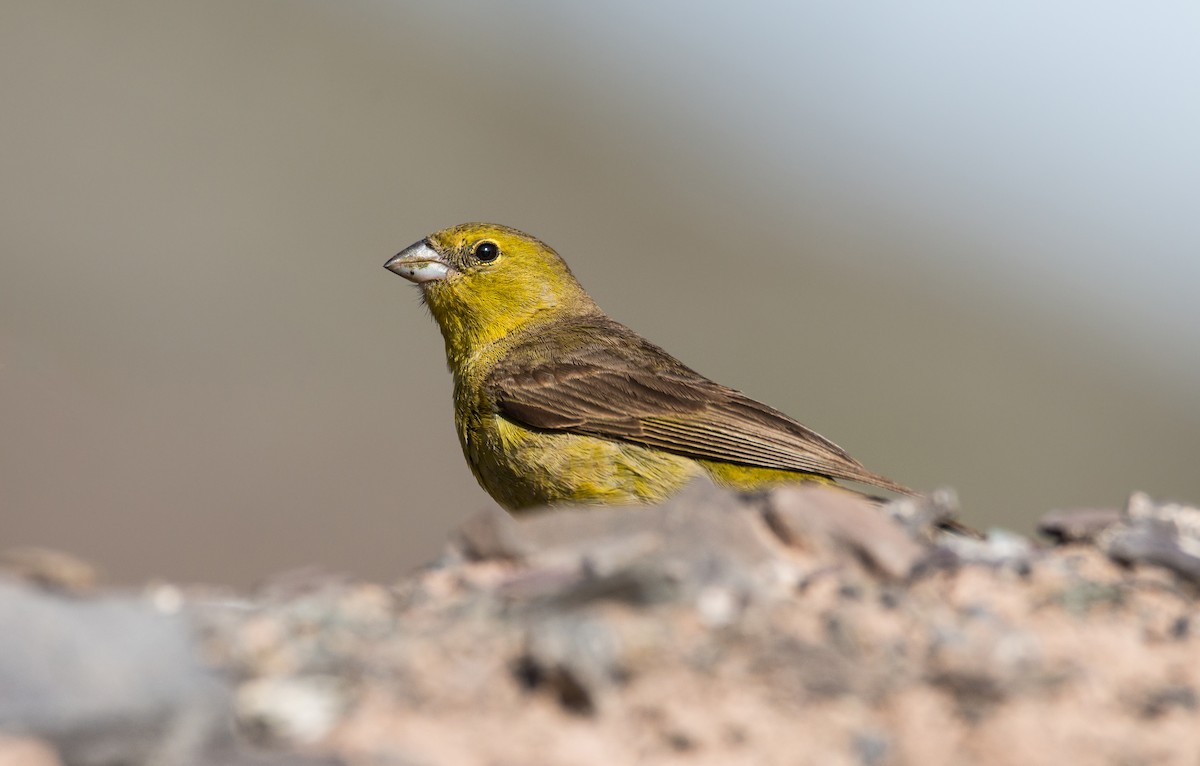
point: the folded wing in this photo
(596, 377)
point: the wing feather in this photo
(596, 377)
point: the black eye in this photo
(487, 251)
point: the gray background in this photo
(960, 240)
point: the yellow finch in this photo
(557, 403)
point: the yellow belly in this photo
(523, 469)
(520, 468)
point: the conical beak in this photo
(419, 263)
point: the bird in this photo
(557, 403)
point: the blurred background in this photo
(961, 240)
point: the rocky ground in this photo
(799, 627)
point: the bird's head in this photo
(482, 281)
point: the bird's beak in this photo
(419, 263)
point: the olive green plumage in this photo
(555, 402)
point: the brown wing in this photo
(596, 377)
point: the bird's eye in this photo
(487, 251)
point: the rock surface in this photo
(802, 626)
